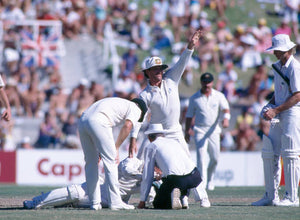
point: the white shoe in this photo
(184, 202)
(265, 201)
(205, 203)
(210, 186)
(287, 202)
(121, 206)
(175, 195)
(96, 207)
(151, 195)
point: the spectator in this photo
(227, 49)
(126, 86)
(260, 124)
(85, 100)
(284, 28)
(76, 93)
(100, 11)
(262, 34)
(14, 96)
(159, 12)
(71, 23)
(226, 82)
(140, 33)
(58, 102)
(10, 53)
(250, 57)
(33, 100)
(162, 37)
(291, 9)
(222, 31)
(208, 52)
(69, 127)
(97, 90)
(70, 132)
(260, 83)
(205, 23)
(25, 143)
(24, 78)
(49, 133)
(177, 14)
(12, 12)
(129, 59)
(244, 133)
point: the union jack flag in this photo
(40, 51)
(40, 44)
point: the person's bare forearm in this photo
(125, 130)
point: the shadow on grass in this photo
(13, 208)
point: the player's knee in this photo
(267, 149)
(289, 148)
(74, 193)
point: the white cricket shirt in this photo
(169, 156)
(115, 110)
(292, 71)
(206, 109)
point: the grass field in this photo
(227, 203)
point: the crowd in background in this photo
(150, 27)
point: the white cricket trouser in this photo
(271, 160)
(290, 150)
(207, 150)
(96, 139)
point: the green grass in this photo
(227, 203)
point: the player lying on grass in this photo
(130, 176)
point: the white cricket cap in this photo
(154, 61)
(155, 129)
(281, 42)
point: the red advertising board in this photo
(7, 167)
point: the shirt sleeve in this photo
(137, 126)
(223, 102)
(295, 79)
(190, 110)
(177, 70)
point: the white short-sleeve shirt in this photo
(206, 109)
(292, 71)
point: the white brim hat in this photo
(155, 129)
(154, 61)
(281, 42)
(249, 39)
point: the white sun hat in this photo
(249, 39)
(281, 42)
(155, 129)
(154, 61)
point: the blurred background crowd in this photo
(46, 106)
